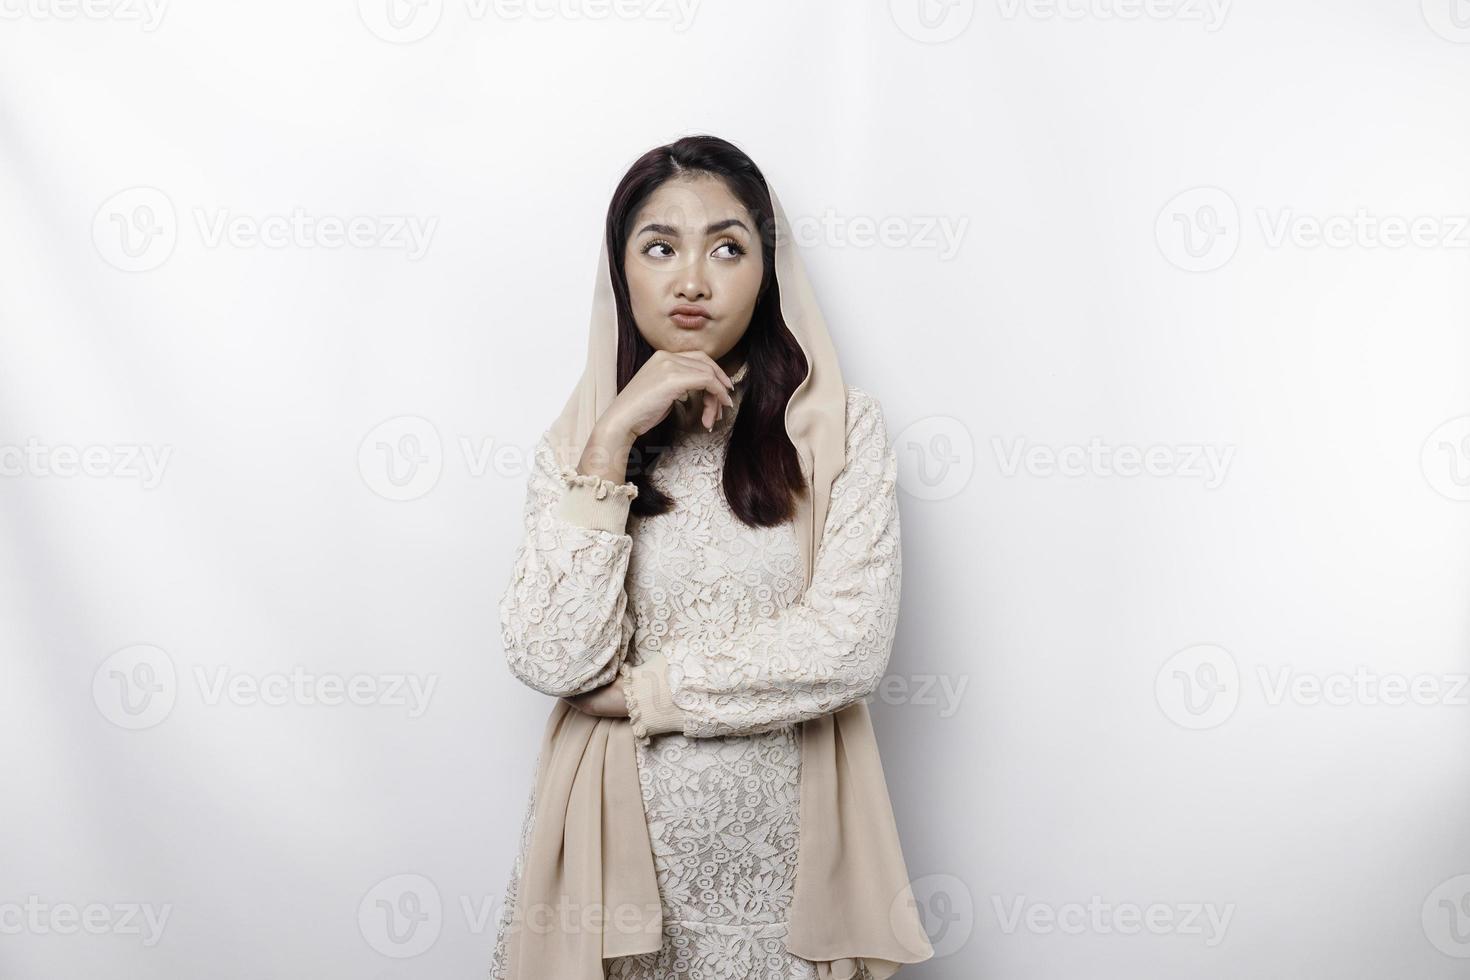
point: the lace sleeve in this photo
(565, 621)
(818, 655)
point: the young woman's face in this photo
(694, 266)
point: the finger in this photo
(725, 378)
(710, 383)
(701, 379)
(715, 365)
(700, 357)
(723, 394)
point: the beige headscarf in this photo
(589, 850)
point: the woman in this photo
(710, 568)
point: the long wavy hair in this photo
(762, 477)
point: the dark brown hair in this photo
(762, 476)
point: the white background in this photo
(1085, 704)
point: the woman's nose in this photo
(693, 286)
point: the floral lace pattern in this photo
(750, 656)
(564, 618)
(780, 659)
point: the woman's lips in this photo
(689, 316)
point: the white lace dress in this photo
(721, 656)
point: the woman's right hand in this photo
(647, 399)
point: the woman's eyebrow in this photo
(710, 230)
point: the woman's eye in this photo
(735, 249)
(648, 249)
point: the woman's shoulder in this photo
(864, 415)
(861, 397)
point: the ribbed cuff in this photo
(651, 707)
(591, 501)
